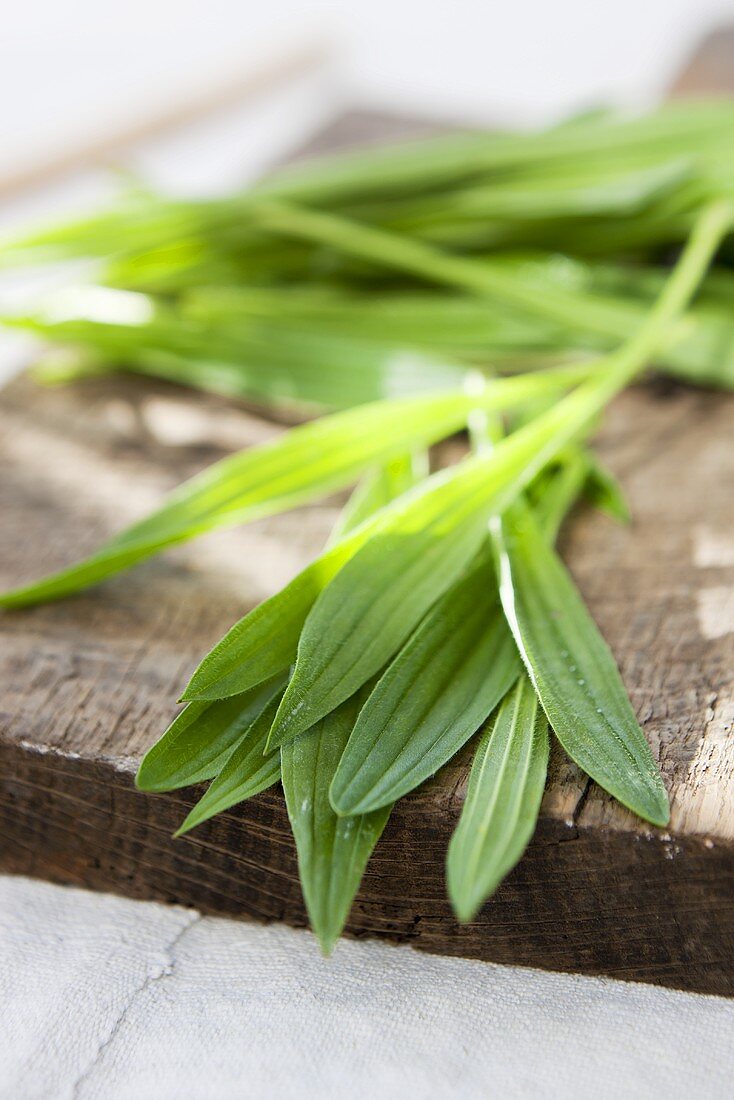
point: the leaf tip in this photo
(190, 693)
(193, 694)
(336, 799)
(186, 826)
(150, 780)
(12, 600)
(343, 806)
(279, 733)
(327, 938)
(197, 688)
(141, 782)
(348, 799)
(465, 907)
(654, 805)
(661, 815)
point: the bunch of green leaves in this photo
(439, 609)
(557, 243)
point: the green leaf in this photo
(365, 614)
(449, 675)
(369, 608)
(604, 492)
(246, 772)
(434, 695)
(446, 322)
(367, 611)
(553, 494)
(302, 465)
(592, 191)
(291, 367)
(503, 799)
(573, 669)
(332, 851)
(146, 223)
(591, 313)
(201, 737)
(420, 166)
(379, 488)
(266, 640)
(393, 250)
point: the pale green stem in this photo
(406, 254)
(543, 438)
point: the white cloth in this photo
(108, 999)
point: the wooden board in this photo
(89, 683)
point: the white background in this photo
(69, 67)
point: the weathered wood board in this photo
(89, 683)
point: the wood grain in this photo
(710, 71)
(88, 685)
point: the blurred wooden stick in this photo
(710, 70)
(94, 152)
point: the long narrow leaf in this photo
(573, 669)
(367, 612)
(407, 254)
(502, 802)
(207, 734)
(449, 675)
(332, 850)
(421, 545)
(306, 463)
(201, 737)
(379, 488)
(298, 368)
(246, 772)
(266, 640)
(436, 693)
(604, 492)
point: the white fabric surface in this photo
(108, 999)
(78, 68)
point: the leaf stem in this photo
(659, 329)
(543, 437)
(391, 250)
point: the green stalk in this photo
(298, 467)
(710, 229)
(391, 250)
(444, 161)
(563, 492)
(532, 446)
(544, 437)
